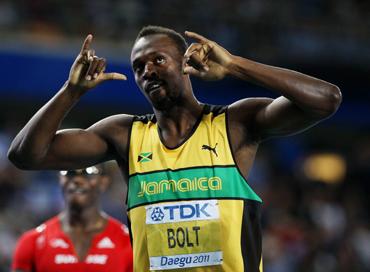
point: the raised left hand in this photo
(206, 59)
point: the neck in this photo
(185, 105)
(176, 124)
(87, 219)
(175, 111)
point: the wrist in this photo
(75, 91)
(231, 65)
(239, 67)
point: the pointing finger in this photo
(86, 44)
(196, 36)
(191, 49)
(90, 54)
(92, 68)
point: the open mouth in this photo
(153, 86)
(77, 191)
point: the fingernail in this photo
(95, 75)
(88, 77)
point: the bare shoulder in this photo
(247, 108)
(115, 130)
(115, 123)
(241, 124)
(241, 121)
(242, 113)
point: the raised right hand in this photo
(88, 69)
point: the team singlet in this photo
(48, 249)
(189, 207)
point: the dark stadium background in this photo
(315, 185)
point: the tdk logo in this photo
(157, 214)
(187, 211)
(182, 211)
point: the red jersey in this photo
(48, 249)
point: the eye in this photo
(138, 69)
(160, 60)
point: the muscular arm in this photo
(304, 100)
(40, 146)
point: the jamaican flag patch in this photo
(145, 157)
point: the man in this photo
(189, 203)
(82, 237)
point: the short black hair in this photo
(179, 40)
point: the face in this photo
(82, 188)
(157, 65)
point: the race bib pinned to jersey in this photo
(183, 234)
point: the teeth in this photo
(152, 86)
(78, 191)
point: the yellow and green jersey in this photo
(189, 207)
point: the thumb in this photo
(192, 71)
(112, 76)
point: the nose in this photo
(78, 179)
(149, 71)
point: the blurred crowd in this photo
(265, 30)
(308, 225)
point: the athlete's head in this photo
(157, 60)
(83, 187)
(177, 38)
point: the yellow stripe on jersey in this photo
(145, 138)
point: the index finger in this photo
(196, 36)
(86, 44)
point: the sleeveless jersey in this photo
(48, 249)
(189, 207)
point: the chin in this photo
(78, 204)
(165, 103)
(163, 106)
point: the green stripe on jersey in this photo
(204, 182)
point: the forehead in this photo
(155, 43)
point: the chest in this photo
(81, 243)
(207, 145)
(88, 253)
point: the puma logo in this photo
(212, 149)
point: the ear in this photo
(104, 183)
(184, 65)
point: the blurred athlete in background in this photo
(82, 237)
(190, 206)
